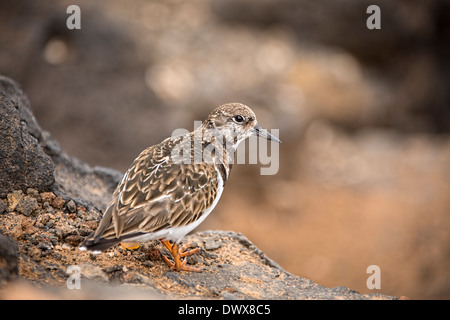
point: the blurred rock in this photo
(8, 259)
(14, 198)
(33, 159)
(3, 207)
(74, 179)
(23, 163)
(58, 202)
(175, 61)
(25, 290)
(74, 239)
(94, 272)
(62, 59)
(405, 24)
(27, 205)
(405, 59)
(47, 196)
(238, 271)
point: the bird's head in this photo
(235, 122)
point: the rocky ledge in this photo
(50, 201)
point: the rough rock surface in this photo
(8, 259)
(236, 269)
(76, 180)
(23, 162)
(47, 226)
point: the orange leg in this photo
(178, 253)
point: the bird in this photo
(171, 187)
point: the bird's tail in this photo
(98, 245)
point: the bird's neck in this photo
(215, 148)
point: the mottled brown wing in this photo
(157, 193)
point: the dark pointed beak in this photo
(263, 133)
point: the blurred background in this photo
(364, 116)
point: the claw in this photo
(184, 253)
(168, 262)
(177, 252)
(184, 267)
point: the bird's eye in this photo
(238, 118)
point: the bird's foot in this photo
(177, 253)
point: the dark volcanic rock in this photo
(27, 205)
(75, 179)
(31, 158)
(8, 259)
(3, 207)
(23, 163)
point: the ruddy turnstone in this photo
(173, 186)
